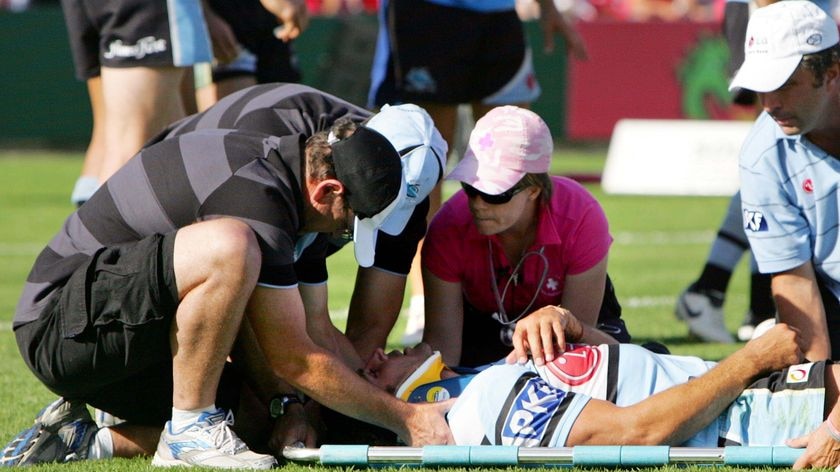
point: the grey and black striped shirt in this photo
(197, 176)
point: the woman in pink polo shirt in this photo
(513, 242)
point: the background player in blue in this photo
(624, 394)
(185, 257)
(789, 167)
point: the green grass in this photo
(660, 246)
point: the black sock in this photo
(713, 278)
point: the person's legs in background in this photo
(701, 304)
(88, 180)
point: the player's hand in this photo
(821, 449)
(292, 16)
(426, 424)
(225, 46)
(553, 22)
(543, 333)
(776, 349)
(292, 429)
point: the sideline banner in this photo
(647, 70)
(674, 157)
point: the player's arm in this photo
(554, 22)
(444, 316)
(674, 415)
(374, 308)
(320, 327)
(293, 426)
(292, 16)
(277, 318)
(799, 304)
(583, 293)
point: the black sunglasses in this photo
(499, 199)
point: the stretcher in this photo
(501, 456)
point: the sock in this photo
(181, 419)
(84, 189)
(731, 241)
(102, 446)
(713, 278)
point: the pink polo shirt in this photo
(572, 234)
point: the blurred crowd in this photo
(586, 10)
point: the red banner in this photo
(647, 70)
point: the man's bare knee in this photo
(224, 249)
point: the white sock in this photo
(181, 419)
(102, 446)
(84, 189)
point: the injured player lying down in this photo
(624, 394)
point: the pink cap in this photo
(506, 143)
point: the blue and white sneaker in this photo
(209, 442)
(62, 432)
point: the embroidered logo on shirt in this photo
(551, 287)
(754, 221)
(808, 186)
(798, 373)
(577, 365)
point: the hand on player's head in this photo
(543, 334)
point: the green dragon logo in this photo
(703, 76)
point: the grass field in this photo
(660, 245)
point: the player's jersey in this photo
(522, 405)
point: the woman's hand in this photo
(544, 333)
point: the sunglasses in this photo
(499, 199)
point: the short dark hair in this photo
(819, 62)
(319, 161)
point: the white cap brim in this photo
(365, 230)
(764, 75)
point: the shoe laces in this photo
(220, 433)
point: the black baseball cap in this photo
(370, 168)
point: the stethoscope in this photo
(508, 324)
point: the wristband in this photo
(832, 430)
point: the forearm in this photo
(799, 304)
(374, 308)
(675, 414)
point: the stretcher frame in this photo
(578, 456)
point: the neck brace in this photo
(429, 371)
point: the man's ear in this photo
(832, 74)
(326, 190)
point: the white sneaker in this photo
(703, 312)
(209, 442)
(104, 419)
(62, 432)
(416, 321)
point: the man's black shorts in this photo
(451, 55)
(105, 338)
(135, 33)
